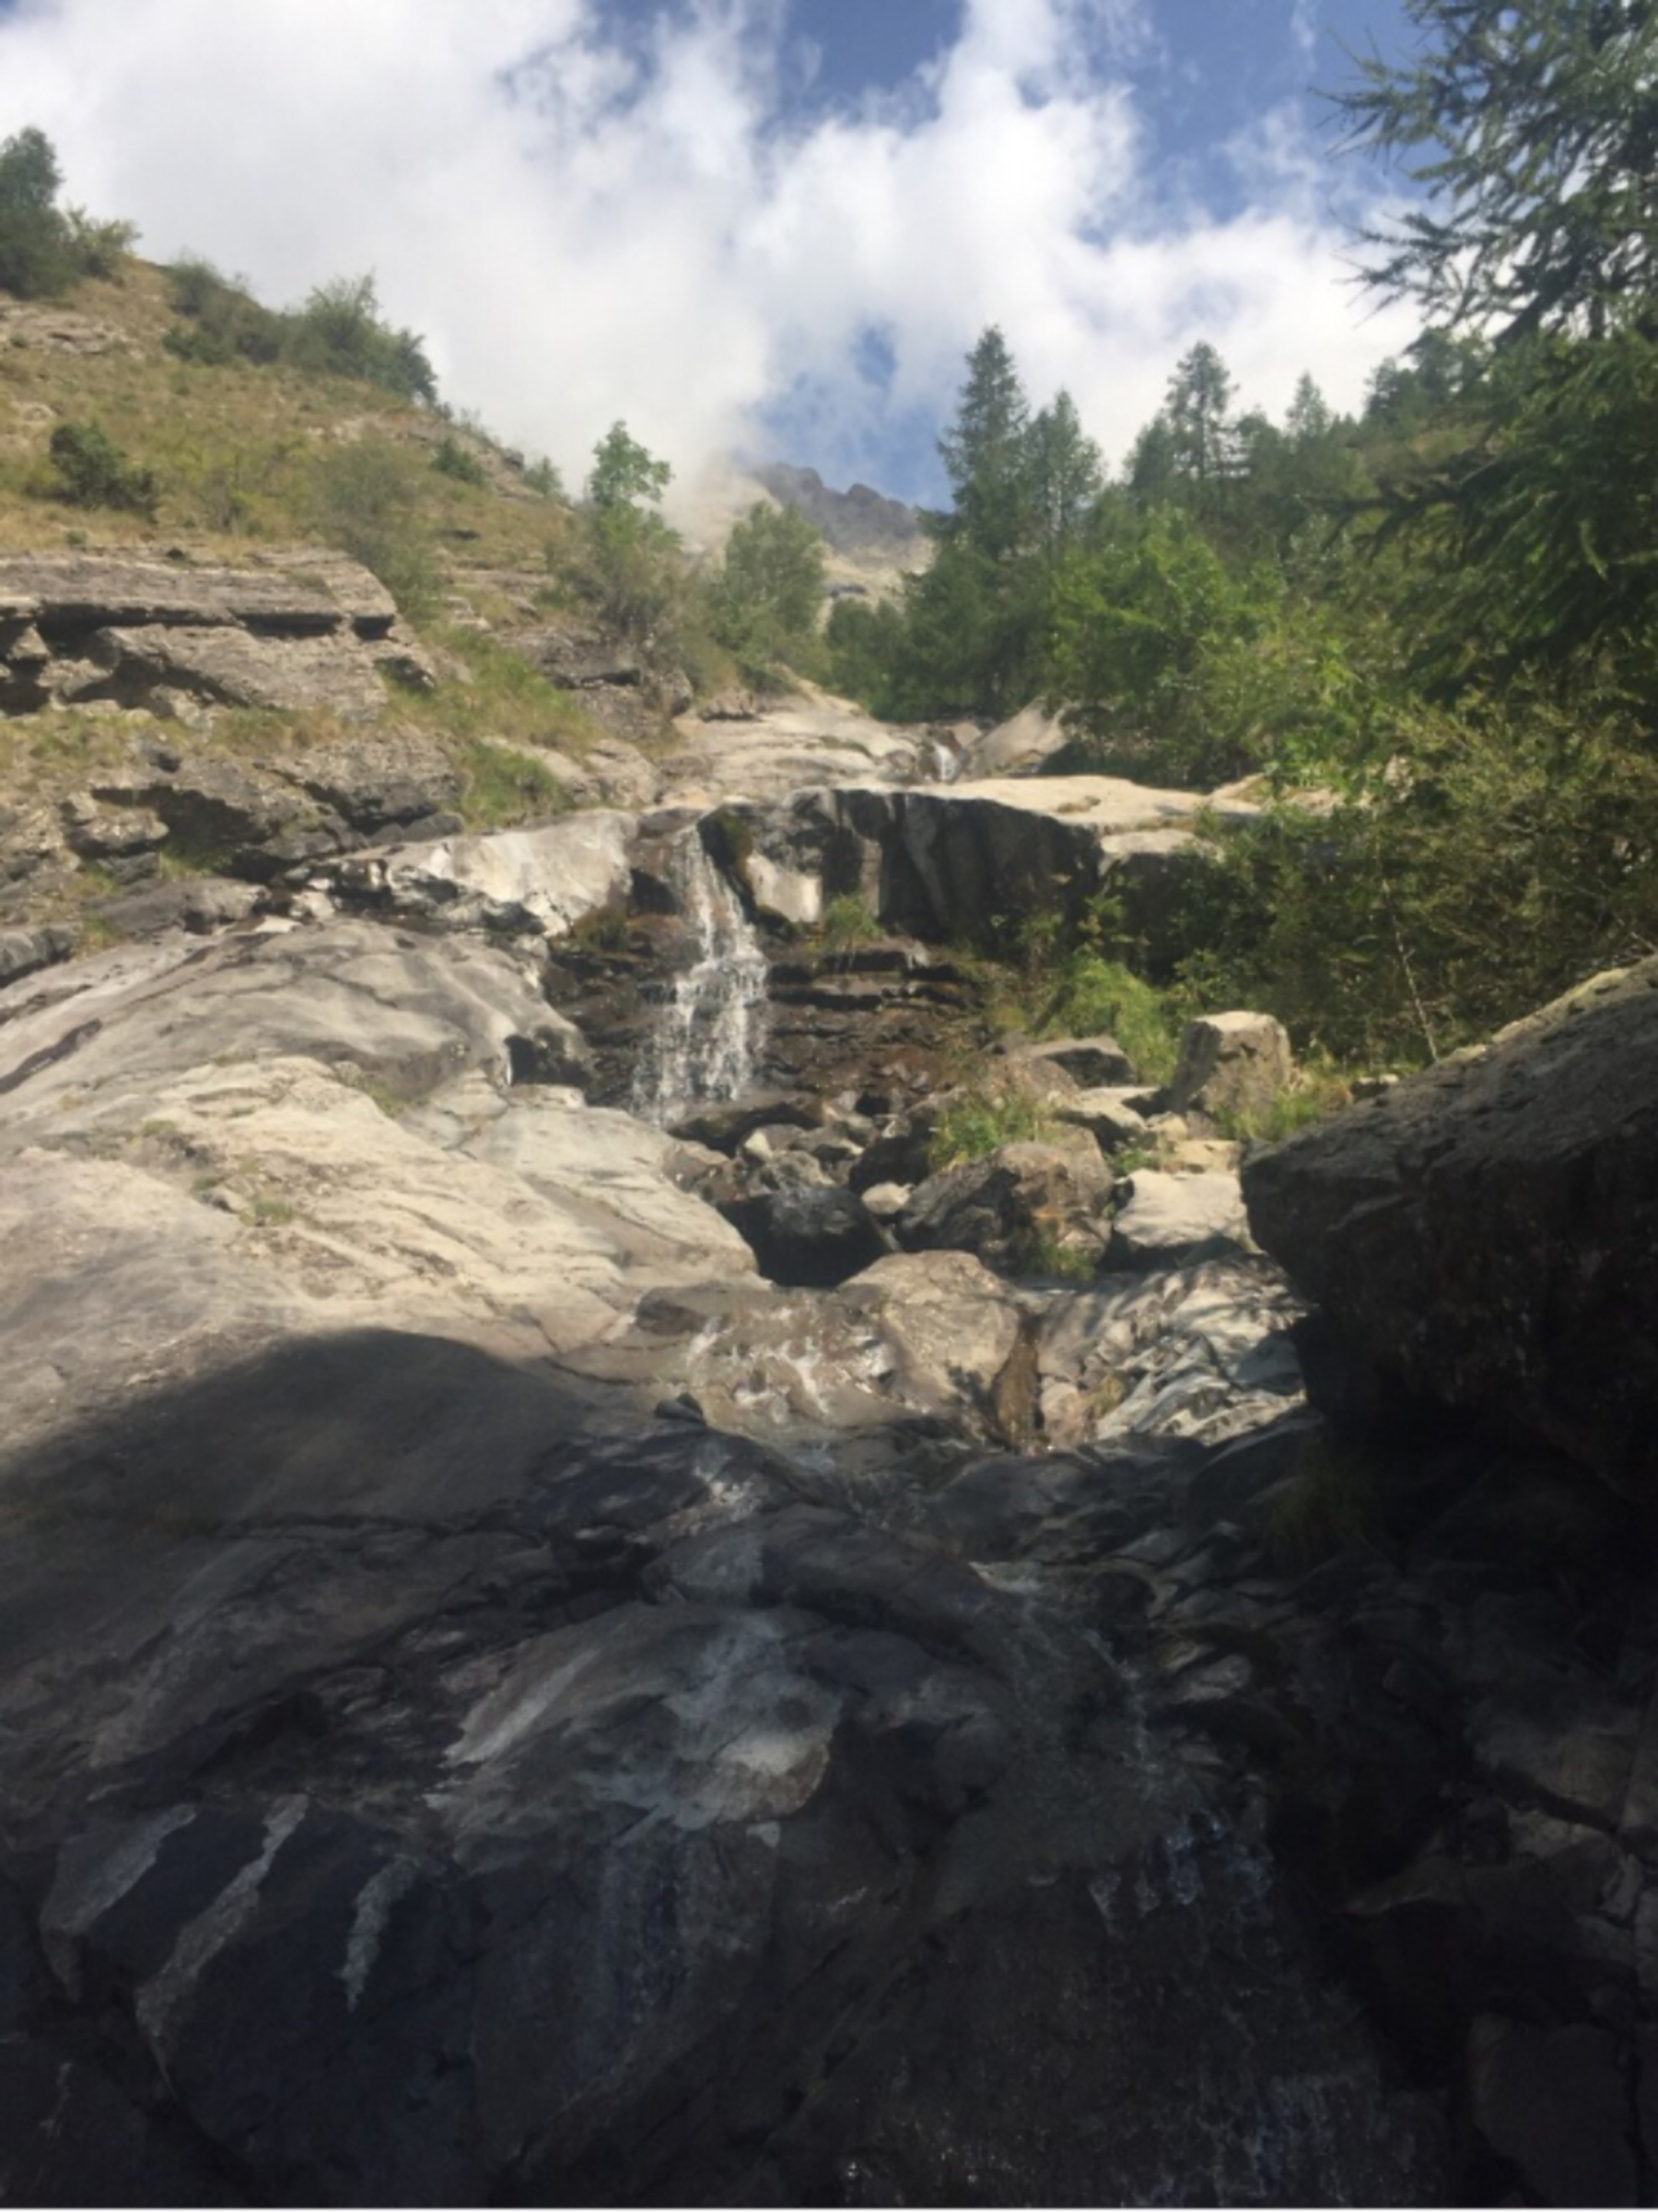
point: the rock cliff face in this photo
(317, 630)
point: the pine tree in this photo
(1200, 393)
(1066, 474)
(987, 454)
(1534, 129)
(1309, 417)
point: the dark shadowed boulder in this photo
(807, 1239)
(1483, 1239)
(1018, 1208)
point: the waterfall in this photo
(704, 1047)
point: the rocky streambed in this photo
(582, 1623)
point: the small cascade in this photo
(704, 1047)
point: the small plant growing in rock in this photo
(848, 920)
(976, 1123)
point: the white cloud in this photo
(587, 227)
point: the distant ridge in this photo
(860, 523)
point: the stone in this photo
(97, 833)
(806, 1238)
(1554, 2103)
(541, 880)
(302, 629)
(232, 667)
(215, 807)
(1108, 1115)
(1020, 747)
(1015, 1208)
(1482, 1240)
(887, 1201)
(1197, 1353)
(943, 862)
(1230, 1064)
(1171, 1219)
(433, 1789)
(1569, 1744)
(1093, 1062)
(25, 951)
(379, 783)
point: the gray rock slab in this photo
(1168, 1220)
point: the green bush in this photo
(544, 477)
(452, 459)
(369, 500)
(1500, 857)
(340, 331)
(94, 472)
(222, 321)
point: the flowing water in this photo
(705, 1043)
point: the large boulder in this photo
(1230, 1064)
(1482, 1240)
(541, 880)
(422, 1788)
(1020, 1209)
(946, 861)
(807, 1238)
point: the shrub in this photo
(544, 477)
(453, 459)
(340, 331)
(847, 920)
(223, 322)
(369, 502)
(94, 472)
(97, 247)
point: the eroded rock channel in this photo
(583, 1624)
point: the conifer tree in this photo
(987, 454)
(1066, 474)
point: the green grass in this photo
(977, 1122)
(501, 787)
(1318, 1090)
(507, 696)
(1095, 995)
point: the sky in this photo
(767, 229)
